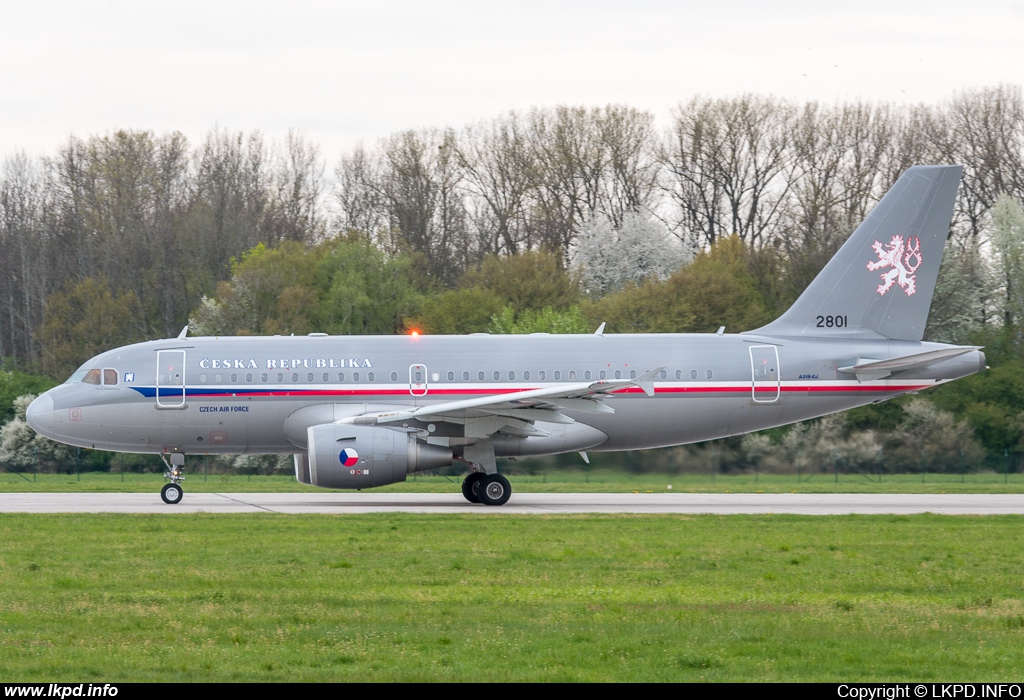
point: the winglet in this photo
(184, 332)
(600, 329)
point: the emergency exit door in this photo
(418, 380)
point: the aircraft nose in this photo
(39, 415)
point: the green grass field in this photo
(475, 598)
(560, 481)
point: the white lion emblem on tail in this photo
(898, 255)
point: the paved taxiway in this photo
(524, 503)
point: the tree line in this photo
(542, 219)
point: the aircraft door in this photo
(170, 378)
(767, 383)
(418, 380)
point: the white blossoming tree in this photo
(641, 247)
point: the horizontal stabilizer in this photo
(876, 369)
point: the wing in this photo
(515, 413)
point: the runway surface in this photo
(526, 503)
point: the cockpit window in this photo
(76, 377)
(109, 377)
(92, 377)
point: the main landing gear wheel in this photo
(494, 490)
(171, 493)
(471, 486)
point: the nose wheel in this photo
(171, 493)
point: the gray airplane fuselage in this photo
(237, 395)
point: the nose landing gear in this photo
(172, 493)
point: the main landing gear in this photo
(489, 489)
(172, 492)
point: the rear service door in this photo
(767, 384)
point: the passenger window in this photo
(280, 377)
(603, 375)
(326, 377)
(109, 377)
(511, 376)
(451, 376)
(632, 374)
(202, 378)
(480, 376)
(394, 376)
(341, 376)
(497, 375)
(217, 378)
(234, 378)
(708, 374)
(663, 374)
(526, 375)
(92, 377)
(541, 375)
(586, 375)
(295, 376)
(248, 378)
(557, 375)
(369, 376)
(465, 376)
(693, 374)
(435, 377)
(572, 374)
(264, 377)
(679, 374)
(309, 377)
(355, 376)
(618, 374)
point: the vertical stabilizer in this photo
(880, 283)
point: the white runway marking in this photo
(525, 503)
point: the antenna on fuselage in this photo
(600, 329)
(184, 332)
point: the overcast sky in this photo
(348, 71)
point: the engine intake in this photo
(343, 456)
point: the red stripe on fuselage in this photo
(811, 388)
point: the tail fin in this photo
(881, 281)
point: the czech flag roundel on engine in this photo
(349, 457)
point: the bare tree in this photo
(500, 171)
(727, 164)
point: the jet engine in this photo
(354, 457)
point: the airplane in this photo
(364, 411)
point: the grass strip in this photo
(562, 598)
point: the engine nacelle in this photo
(345, 456)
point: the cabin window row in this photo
(110, 376)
